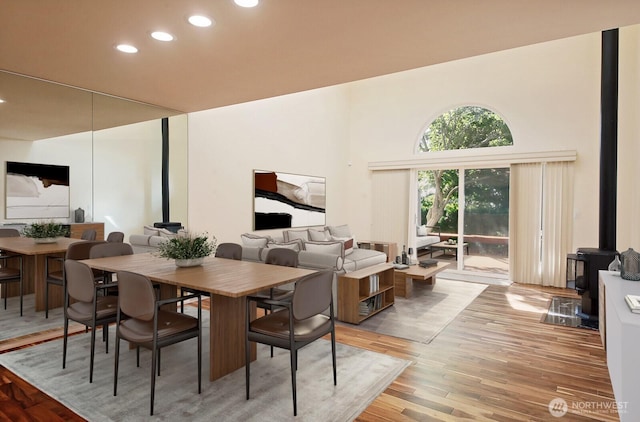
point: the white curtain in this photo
(557, 222)
(525, 193)
(540, 222)
(390, 199)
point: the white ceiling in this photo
(279, 47)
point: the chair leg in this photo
(46, 299)
(64, 341)
(93, 351)
(159, 360)
(138, 356)
(21, 294)
(115, 366)
(293, 354)
(247, 364)
(153, 377)
(105, 336)
(333, 355)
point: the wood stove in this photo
(582, 273)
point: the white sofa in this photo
(337, 251)
(426, 236)
(152, 237)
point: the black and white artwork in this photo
(36, 191)
(284, 200)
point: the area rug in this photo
(567, 311)
(427, 312)
(362, 376)
(12, 325)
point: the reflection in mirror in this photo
(113, 147)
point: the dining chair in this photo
(223, 250)
(10, 274)
(107, 249)
(84, 304)
(115, 237)
(286, 258)
(88, 234)
(301, 322)
(76, 251)
(143, 323)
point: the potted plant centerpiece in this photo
(45, 232)
(187, 250)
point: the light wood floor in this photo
(495, 361)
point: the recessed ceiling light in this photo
(1, 101)
(201, 21)
(162, 36)
(246, 3)
(126, 48)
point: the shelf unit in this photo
(76, 229)
(355, 290)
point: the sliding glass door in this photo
(469, 209)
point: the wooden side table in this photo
(403, 279)
(390, 248)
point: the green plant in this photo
(187, 247)
(41, 230)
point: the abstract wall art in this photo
(284, 200)
(36, 190)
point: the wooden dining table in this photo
(33, 267)
(228, 282)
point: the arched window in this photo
(463, 128)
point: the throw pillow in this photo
(422, 230)
(167, 234)
(254, 241)
(347, 241)
(151, 231)
(290, 235)
(319, 235)
(329, 247)
(340, 231)
(295, 244)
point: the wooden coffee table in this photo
(403, 279)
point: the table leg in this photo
(226, 341)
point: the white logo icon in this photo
(558, 407)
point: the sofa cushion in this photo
(295, 244)
(363, 258)
(319, 235)
(253, 240)
(151, 231)
(290, 235)
(328, 247)
(320, 261)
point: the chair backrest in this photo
(9, 233)
(312, 294)
(110, 249)
(116, 237)
(229, 251)
(136, 297)
(81, 250)
(282, 256)
(80, 281)
(88, 234)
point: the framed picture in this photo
(284, 200)
(36, 190)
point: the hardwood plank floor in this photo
(496, 361)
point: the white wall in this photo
(628, 231)
(115, 174)
(304, 133)
(548, 93)
(73, 151)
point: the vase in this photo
(45, 240)
(193, 262)
(630, 265)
